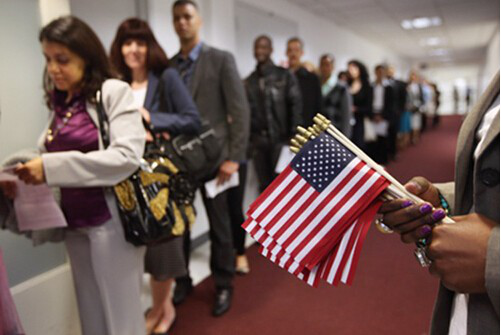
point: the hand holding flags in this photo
(313, 219)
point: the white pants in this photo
(107, 274)
(416, 121)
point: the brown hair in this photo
(78, 37)
(156, 59)
(329, 57)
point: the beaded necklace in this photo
(55, 128)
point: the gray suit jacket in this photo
(476, 186)
(101, 167)
(220, 97)
(95, 168)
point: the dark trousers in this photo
(378, 150)
(358, 132)
(265, 157)
(235, 203)
(392, 140)
(222, 257)
(424, 122)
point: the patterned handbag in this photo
(152, 206)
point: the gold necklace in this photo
(52, 133)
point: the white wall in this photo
(475, 75)
(491, 64)
(319, 35)
(104, 16)
(251, 22)
(22, 118)
(461, 76)
(52, 9)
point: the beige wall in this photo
(319, 35)
(491, 64)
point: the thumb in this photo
(424, 189)
(417, 185)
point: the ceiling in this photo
(467, 25)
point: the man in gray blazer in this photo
(212, 78)
(464, 254)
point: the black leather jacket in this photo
(275, 110)
(337, 106)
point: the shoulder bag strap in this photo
(104, 123)
(103, 120)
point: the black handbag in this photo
(152, 204)
(196, 155)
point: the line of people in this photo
(200, 83)
(380, 117)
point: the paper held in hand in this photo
(35, 206)
(212, 188)
(7, 173)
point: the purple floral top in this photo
(82, 206)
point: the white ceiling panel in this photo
(464, 14)
(369, 13)
(339, 4)
(467, 25)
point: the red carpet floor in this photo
(391, 294)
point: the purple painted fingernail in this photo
(426, 208)
(406, 203)
(425, 231)
(438, 215)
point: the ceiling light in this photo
(432, 41)
(439, 52)
(421, 22)
(436, 21)
(407, 24)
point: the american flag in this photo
(313, 218)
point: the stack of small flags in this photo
(313, 219)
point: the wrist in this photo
(444, 204)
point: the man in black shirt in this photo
(309, 83)
(275, 103)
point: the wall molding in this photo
(46, 303)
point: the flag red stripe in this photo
(370, 196)
(266, 193)
(305, 206)
(342, 202)
(325, 245)
(278, 198)
(367, 217)
(246, 224)
(349, 249)
(286, 207)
